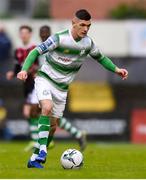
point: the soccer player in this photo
(63, 123)
(21, 52)
(66, 52)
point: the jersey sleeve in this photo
(106, 62)
(49, 45)
(95, 53)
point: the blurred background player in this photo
(21, 52)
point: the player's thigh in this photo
(46, 105)
(58, 109)
(42, 89)
(59, 102)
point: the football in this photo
(71, 159)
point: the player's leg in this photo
(26, 114)
(43, 128)
(40, 151)
(32, 163)
(33, 128)
(33, 118)
(45, 100)
(74, 131)
(54, 122)
(33, 125)
(57, 110)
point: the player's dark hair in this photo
(25, 27)
(83, 14)
(45, 28)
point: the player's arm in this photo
(107, 62)
(49, 45)
(32, 56)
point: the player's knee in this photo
(46, 109)
(35, 111)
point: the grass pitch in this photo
(100, 161)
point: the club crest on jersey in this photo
(66, 51)
(82, 52)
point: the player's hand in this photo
(122, 72)
(22, 75)
(10, 75)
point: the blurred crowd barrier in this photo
(115, 38)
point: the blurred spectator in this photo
(5, 45)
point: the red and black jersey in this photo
(20, 56)
(22, 52)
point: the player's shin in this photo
(50, 138)
(43, 128)
(52, 131)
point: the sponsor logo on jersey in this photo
(48, 42)
(44, 46)
(64, 59)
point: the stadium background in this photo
(112, 107)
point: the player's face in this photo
(25, 35)
(81, 28)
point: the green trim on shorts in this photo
(60, 86)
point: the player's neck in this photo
(75, 36)
(25, 43)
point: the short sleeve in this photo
(95, 52)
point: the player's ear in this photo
(74, 23)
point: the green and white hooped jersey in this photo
(64, 57)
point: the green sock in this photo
(33, 124)
(44, 127)
(66, 125)
(50, 138)
(35, 152)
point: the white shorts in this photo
(46, 90)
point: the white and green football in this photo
(71, 159)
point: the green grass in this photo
(100, 161)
